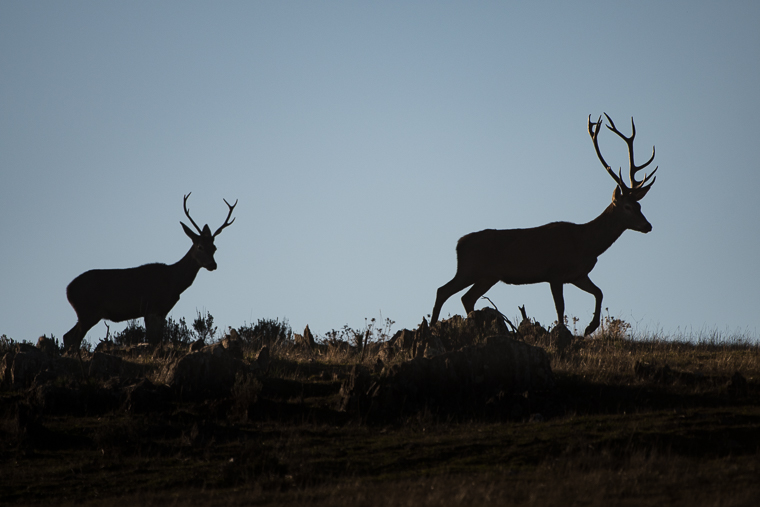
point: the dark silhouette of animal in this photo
(559, 252)
(148, 291)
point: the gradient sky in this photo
(362, 139)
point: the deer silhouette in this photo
(149, 291)
(559, 252)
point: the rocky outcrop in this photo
(446, 335)
(49, 346)
(306, 340)
(457, 381)
(559, 339)
(20, 367)
(105, 366)
(145, 397)
(213, 370)
(205, 372)
(233, 345)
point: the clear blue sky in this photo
(362, 139)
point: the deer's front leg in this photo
(154, 328)
(585, 284)
(559, 301)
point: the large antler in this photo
(635, 185)
(187, 213)
(638, 188)
(226, 223)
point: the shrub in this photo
(133, 334)
(613, 329)
(6, 344)
(177, 333)
(265, 332)
(204, 327)
(348, 339)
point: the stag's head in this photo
(625, 199)
(203, 243)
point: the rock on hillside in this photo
(457, 381)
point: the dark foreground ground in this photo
(617, 438)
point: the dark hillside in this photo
(465, 412)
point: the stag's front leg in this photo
(585, 284)
(154, 328)
(559, 301)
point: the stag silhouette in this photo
(559, 252)
(149, 291)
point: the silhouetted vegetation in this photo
(175, 332)
(631, 419)
(266, 332)
(133, 334)
(6, 344)
(204, 327)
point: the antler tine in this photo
(187, 213)
(594, 133)
(629, 141)
(227, 221)
(646, 179)
(636, 169)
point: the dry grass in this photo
(610, 436)
(611, 358)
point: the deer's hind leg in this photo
(476, 291)
(446, 291)
(72, 340)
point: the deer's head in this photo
(625, 199)
(203, 243)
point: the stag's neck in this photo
(184, 272)
(603, 231)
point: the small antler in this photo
(227, 221)
(637, 188)
(187, 213)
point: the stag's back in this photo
(521, 256)
(121, 294)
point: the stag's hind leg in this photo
(72, 340)
(445, 292)
(476, 291)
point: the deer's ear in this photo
(639, 193)
(617, 194)
(190, 233)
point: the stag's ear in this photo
(639, 193)
(617, 194)
(206, 231)
(190, 233)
